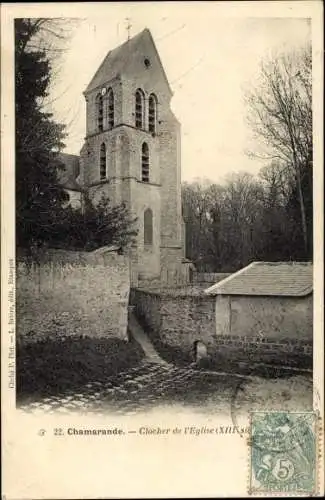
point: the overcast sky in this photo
(208, 56)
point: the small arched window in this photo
(100, 112)
(147, 227)
(145, 163)
(152, 117)
(110, 108)
(102, 162)
(139, 109)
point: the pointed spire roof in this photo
(117, 60)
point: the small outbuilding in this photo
(266, 299)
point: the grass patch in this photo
(260, 364)
(50, 366)
(251, 368)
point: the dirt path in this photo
(140, 336)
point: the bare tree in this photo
(196, 212)
(280, 114)
(242, 208)
(223, 221)
(50, 35)
(277, 180)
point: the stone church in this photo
(132, 154)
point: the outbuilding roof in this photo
(285, 279)
(68, 176)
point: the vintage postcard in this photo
(162, 249)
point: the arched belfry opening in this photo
(102, 162)
(152, 114)
(145, 162)
(110, 108)
(100, 112)
(139, 109)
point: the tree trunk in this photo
(302, 211)
(299, 186)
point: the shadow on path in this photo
(137, 332)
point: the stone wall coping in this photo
(265, 340)
(180, 293)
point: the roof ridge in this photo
(128, 41)
(283, 262)
(218, 285)
(110, 53)
(264, 279)
(114, 62)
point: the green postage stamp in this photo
(283, 453)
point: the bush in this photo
(94, 226)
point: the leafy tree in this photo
(39, 139)
(95, 226)
(42, 215)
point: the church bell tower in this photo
(132, 152)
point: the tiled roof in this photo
(291, 279)
(68, 176)
(118, 59)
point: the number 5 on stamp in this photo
(283, 453)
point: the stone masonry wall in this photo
(72, 293)
(179, 317)
(208, 278)
(147, 305)
(233, 350)
(186, 319)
